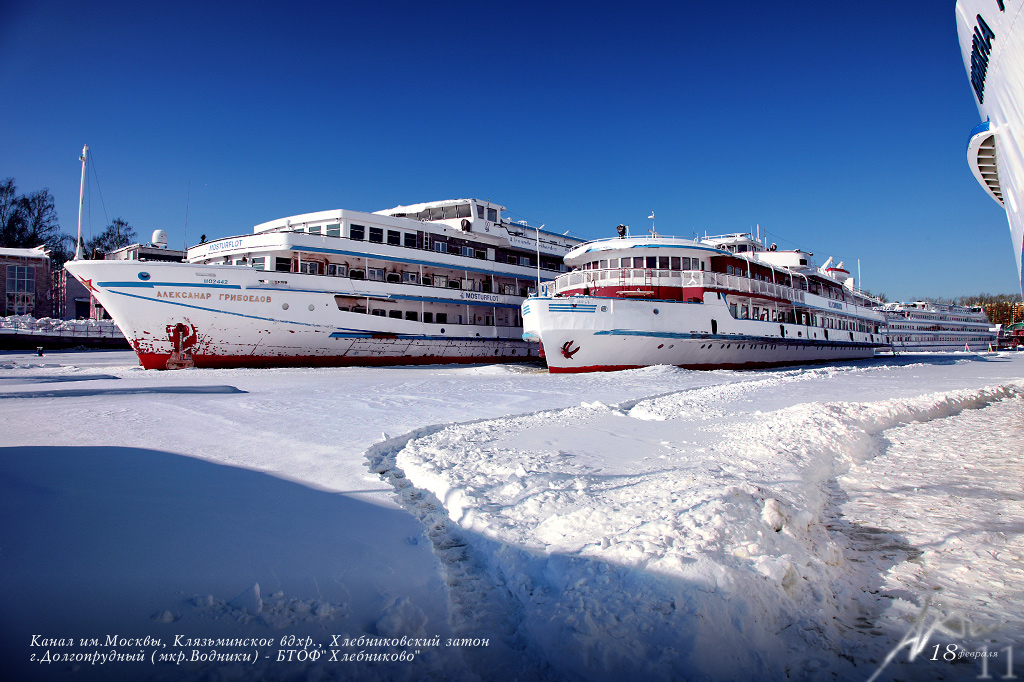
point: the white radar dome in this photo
(159, 238)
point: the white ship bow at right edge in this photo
(992, 44)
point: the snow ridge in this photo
(719, 560)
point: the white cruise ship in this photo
(438, 282)
(720, 302)
(992, 44)
(924, 326)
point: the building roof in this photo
(37, 252)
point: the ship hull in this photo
(187, 315)
(591, 334)
(992, 45)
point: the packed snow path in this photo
(692, 535)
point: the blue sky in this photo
(838, 127)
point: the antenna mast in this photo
(81, 202)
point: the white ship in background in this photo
(720, 302)
(924, 326)
(992, 44)
(438, 282)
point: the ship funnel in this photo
(159, 239)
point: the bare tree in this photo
(117, 234)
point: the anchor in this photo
(568, 351)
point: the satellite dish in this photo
(159, 239)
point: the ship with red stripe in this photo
(719, 302)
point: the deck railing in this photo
(648, 278)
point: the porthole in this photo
(310, 306)
(284, 306)
(144, 276)
(655, 311)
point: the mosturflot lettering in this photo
(982, 48)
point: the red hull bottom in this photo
(724, 365)
(159, 360)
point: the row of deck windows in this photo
(454, 211)
(382, 275)
(412, 240)
(653, 262)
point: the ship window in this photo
(604, 265)
(676, 263)
(638, 261)
(454, 284)
(336, 270)
(357, 232)
(436, 213)
(652, 261)
(492, 215)
(440, 281)
(283, 264)
(468, 251)
(463, 211)
(394, 277)
(379, 313)
(479, 211)
(441, 247)
(397, 314)
(259, 263)
(442, 318)
(411, 315)
(357, 274)
(524, 260)
(482, 255)
(377, 234)
(409, 277)
(663, 262)
(410, 240)
(394, 238)
(512, 259)
(613, 262)
(450, 212)
(334, 230)
(375, 274)
(314, 229)
(357, 309)
(428, 318)
(310, 268)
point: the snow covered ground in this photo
(509, 524)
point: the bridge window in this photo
(394, 238)
(357, 232)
